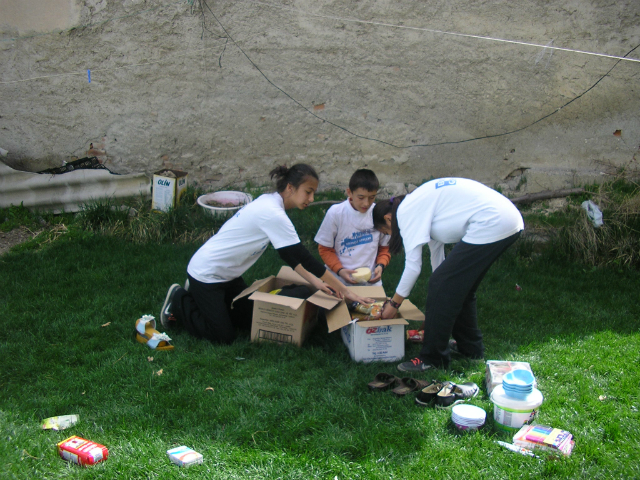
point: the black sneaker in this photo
(428, 393)
(415, 365)
(165, 313)
(453, 394)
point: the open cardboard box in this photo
(373, 340)
(284, 319)
(289, 320)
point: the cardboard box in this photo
(168, 187)
(373, 340)
(289, 320)
(284, 319)
(496, 369)
(82, 451)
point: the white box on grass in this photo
(373, 340)
(185, 456)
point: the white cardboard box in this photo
(373, 340)
(167, 189)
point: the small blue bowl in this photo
(517, 395)
(518, 378)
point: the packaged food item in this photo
(544, 438)
(363, 312)
(184, 456)
(415, 336)
(82, 451)
(360, 308)
(59, 423)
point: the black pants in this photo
(205, 310)
(451, 301)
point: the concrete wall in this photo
(228, 89)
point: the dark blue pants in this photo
(205, 310)
(451, 301)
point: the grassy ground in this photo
(269, 411)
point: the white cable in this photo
(442, 32)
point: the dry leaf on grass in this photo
(159, 372)
(150, 359)
(209, 388)
(106, 324)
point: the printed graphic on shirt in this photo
(445, 183)
(259, 252)
(356, 238)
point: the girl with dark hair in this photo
(214, 274)
(482, 223)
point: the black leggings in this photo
(205, 310)
(451, 301)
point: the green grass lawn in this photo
(271, 411)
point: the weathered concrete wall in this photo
(226, 90)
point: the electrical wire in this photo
(452, 142)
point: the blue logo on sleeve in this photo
(445, 183)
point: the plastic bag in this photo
(593, 212)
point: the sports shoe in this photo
(165, 313)
(414, 365)
(453, 394)
(428, 393)
(455, 351)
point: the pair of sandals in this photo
(399, 386)
(147, 334)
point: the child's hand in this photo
(345, 274)
(349, 295)
(377, 274)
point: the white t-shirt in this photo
(242, 239)
(352, 235)
(448, 210)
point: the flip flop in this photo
(408, 385)
(382, 381)
(146, 333)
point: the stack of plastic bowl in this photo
(468, 417)
(518, 384)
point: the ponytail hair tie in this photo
(392, 199)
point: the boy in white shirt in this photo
(347, 240)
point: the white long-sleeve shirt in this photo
(448, 210)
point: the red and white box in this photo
(82, 451)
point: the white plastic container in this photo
(229, 200)
(509, 413)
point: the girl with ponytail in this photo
(214, 274)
